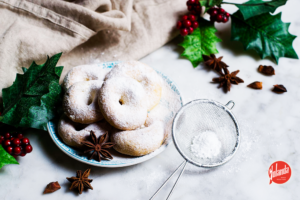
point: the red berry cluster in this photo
(15, 144)
(194, 7)
(218, 15)
(187, 24)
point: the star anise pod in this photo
(214, 63)
(98, 146)
(81, 181)
(227, 78)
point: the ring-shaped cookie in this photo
(139, 142)
(145, 75)
(122, 103)
(84, 73)
(73, 133)
(80, 102)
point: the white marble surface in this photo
(270, 131)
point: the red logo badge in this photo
(279, 172)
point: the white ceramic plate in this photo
(119, 160)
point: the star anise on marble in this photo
(81, 181)
(98, 146)
(213, 62)
(227, 78)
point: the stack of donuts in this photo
(118, 101)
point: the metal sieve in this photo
(195, 118)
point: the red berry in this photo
(7, 143)
(9, 149)
(184, 32)
(25, 141)
(192, 1)
(197, 3)
(227, 14)
(184, 17)
(193, 12)
(198, 9)
(23, 154)
(7, 135)
(17, 150)
(187, 23)
(219, 18)
(16, 142)
(225, 19)
(210, 10)
(179, 24)
(221, 10)
(20, 135)
(192, 18)
(1, 139)
(190, 29)
(28, 149)
(195, 24)
(190, 8)
(214, 12)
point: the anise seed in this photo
(279, 89)
(255, 85)
(266, 70)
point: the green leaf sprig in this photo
(6, 158)
(265, 33)
(201, 42)
(34, 97)
(252, 25)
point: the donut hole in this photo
(79, 127)
(91, 98)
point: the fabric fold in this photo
(84, 30)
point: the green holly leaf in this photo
(210, 3)
(249, 9)
(33, 98)
(201, 42)
(265, 33)
(6, 158)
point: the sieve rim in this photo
(228, 110)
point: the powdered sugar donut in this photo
(74, 133)
(84, 73)
(139, 142)
(122, 103)
(145, 75)
(80, 102)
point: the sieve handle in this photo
(183, 163)
(177, 180)
(230, 102)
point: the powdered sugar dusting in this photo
(121, 101)
(145, 75)
(73, 133)
(84, 73)
(206, 145)
(80, 102)
(158, 124)
(140, 141)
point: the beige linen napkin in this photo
(85, 30)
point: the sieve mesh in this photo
(200, 116)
